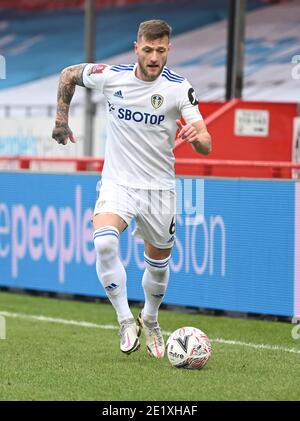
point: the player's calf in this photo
(110, 270)
(154, 282)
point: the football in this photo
(188, 347)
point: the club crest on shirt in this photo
(157, 100)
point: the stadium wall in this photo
(242, 255)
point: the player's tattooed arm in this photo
(69, 78)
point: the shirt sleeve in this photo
(188, 104)
(94, 76)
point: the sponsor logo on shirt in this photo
(157, 100)
(139, 117)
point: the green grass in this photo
(52, 361)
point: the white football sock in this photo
(155, 281)
(110, 270)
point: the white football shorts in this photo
(153, 210)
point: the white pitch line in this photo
(56, 320)
(257, 346)
(166, 333)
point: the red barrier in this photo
(197, 167)
(80, 164)
(211, 118)
(212, 167)
(220, 120)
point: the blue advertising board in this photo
(239, 256)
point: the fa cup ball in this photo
(188, 347)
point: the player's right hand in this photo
(61, 133)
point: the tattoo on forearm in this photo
(70, 77)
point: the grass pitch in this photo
(46, 359)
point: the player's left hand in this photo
(187, 132)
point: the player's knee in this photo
(158, 268)
(106, 241)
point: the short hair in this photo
(154, 29)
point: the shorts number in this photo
(172, 226)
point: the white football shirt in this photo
(141, 124)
